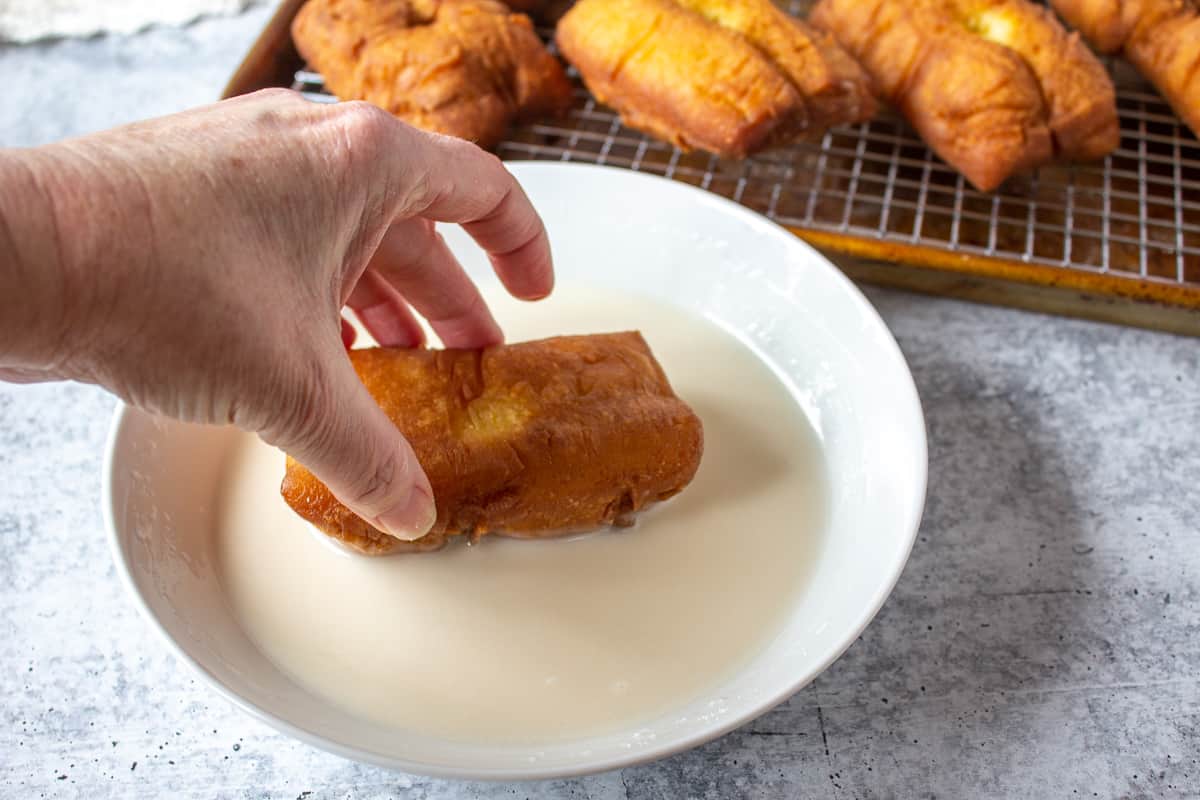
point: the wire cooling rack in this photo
(1132, 220)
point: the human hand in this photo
(196, 265)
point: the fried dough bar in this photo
(977, 104)
(995, 87)
(526, 440)
(1159, 37)
(728, 76)
(467, 68)
(1079, 95)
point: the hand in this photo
(197, 265)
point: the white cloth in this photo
(28, 20)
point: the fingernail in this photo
(411, 519)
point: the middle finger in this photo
(415, 260)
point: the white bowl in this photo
(621, 230)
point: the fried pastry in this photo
(1081, 102)
(995, 87)
(1159, 37)
(467, 68)
(526, 440)
(976, 103)
(728, 76)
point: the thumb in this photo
(343, 437)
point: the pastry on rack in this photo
(728, 76)
(467, 68)
(1159, 37)
(1081, 102)
(526, 440)
(995, 87)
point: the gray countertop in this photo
(1044, 640)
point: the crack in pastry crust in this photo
(727, 76)
(467, 68)
(527, 440)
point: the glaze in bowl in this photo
(621, 231)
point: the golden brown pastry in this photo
(977, 104)
(728, 76)
(468, 68)
(526, 440)
(1159, 37)
(995, 87)
(1081, 102)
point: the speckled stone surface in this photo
(1044, 640)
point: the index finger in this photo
(471, 187)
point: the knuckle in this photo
(275, 94)
(493, 162)
(419, 192)
(494, 166)
(364, 122)
(363, 137)
(500, 184)
(490, 165)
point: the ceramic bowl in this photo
(624, 231)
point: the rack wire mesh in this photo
(1135, 215)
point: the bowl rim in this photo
(660, 749)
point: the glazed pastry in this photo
(995, 87)
(526, 440)
(728, 76)
(467, 68)
(1159, 37)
